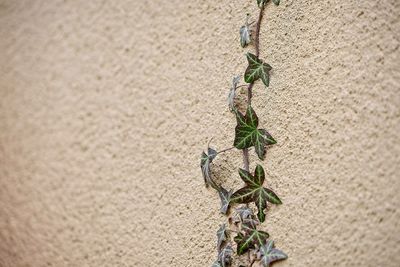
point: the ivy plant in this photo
(242, 231)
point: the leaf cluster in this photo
(224, 247)
(248, 238)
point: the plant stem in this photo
(258, 26)
(224, 150)
(250, 86)
(246, 160)
(243, 85)
(257, 46)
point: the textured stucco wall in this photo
(105, 107)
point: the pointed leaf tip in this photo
(268, 254)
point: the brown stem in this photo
(250, 87)
(246, 160)
(250, 93)
(224, 150)
(258, 26)
(257, 46)
(243, 85)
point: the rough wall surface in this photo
(105, 107)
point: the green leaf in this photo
(221, 236)
(269, 254)
(261, 138)
(225, 197)
(247, 177)
(247, 134)
(225, 256)
(261, 2)
(248, 240)
(244, 195)
(257, 69)
(255, 192)
(276, 2)
(205, 163)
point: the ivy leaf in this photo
(225, 256)
(232, 93)
(205, 163)
(255, 192)
(261, 2)
(245, 215)
(257, 69)
(245, 33)
(247, 134)
(269, 254)
(251, 222)
(249, 239)
(276, 2)
(225, 197)
(221, 236)
(242, 213)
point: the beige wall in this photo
(105, 107)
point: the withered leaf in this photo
(205, 164)
(225, 256)
(221, 236)
(225, 197)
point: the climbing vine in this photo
(241, 230)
